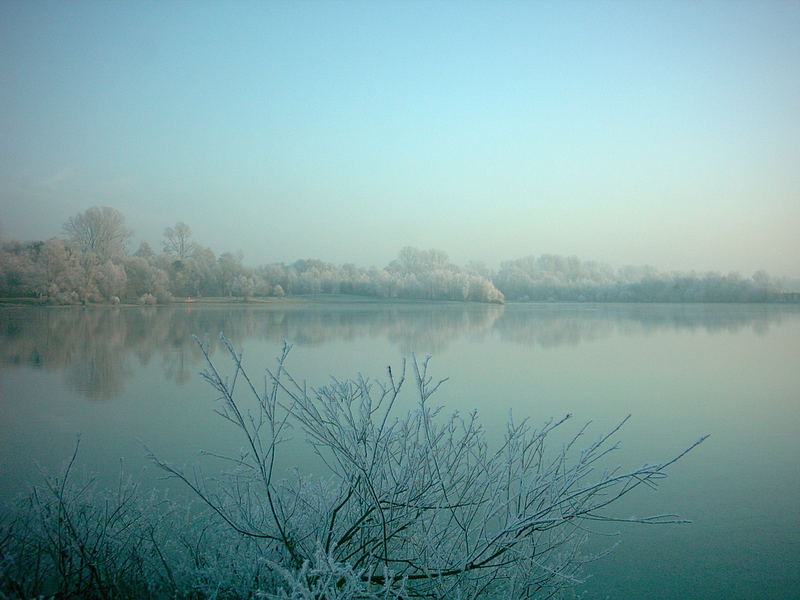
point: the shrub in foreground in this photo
(415, 505)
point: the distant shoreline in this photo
(790, 298)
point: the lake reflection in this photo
(92, 346)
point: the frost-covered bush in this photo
(70, 539)
(147, 299)
(322, 576)
(415, 504)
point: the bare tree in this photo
(178, 241)
(99, 230)
(413, 505)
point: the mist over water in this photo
(121, 374)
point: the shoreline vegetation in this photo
(91, 265)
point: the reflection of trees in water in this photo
(93, 345)
(431, 330)
(88, 344)
(559, 324)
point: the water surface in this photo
(123, 376)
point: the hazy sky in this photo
(639, 132)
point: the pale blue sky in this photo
(665, 133)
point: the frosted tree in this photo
(178, 241)
(99, 230)
(412, 505)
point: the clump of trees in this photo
(92, 264)
(409, 505)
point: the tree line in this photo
(91, 263)
(567, 278)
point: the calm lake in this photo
(126, 376)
